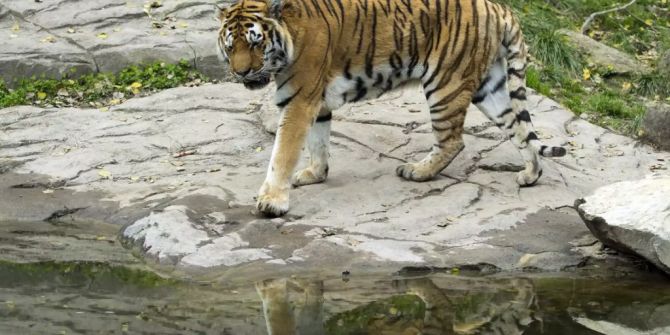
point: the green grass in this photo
(642, 30)
(100, 88)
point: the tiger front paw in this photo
(415, 172)
(272, 202)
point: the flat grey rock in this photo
(632, 216)
(178, 171)
(604, 55)
(69, 38)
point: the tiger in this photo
(323, 54)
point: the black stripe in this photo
(285, 81)
(478, 98)
(324, 118)
(499, 84)
(361, 90)
(505, 112)
(542, 149)
(531, 136)
(286, 101)
(518, 94)
(558, 151)
(517, 73)
(347, 66)
(484, 82)
(523, 116)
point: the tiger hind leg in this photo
(502, 99)
(448, 106)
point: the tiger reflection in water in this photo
(305, 316)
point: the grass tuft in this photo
(101, 88)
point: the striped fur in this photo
(325, 53)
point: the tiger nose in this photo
(243, 73)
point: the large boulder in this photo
(633, 217)
(603, 55)
(655, 127)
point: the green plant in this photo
(100, 88)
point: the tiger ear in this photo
(281, 8)
(221, 11)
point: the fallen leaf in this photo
(259, 149)
(183, 24)
(41, 95)
(134, 178)
(49, 39)
(114, 102)
(16, 27)
(104, 174)
(104, 109)
(649, 22)
(71, 30)
(135, 87)
(586, 74)
(102, 36)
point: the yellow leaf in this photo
(134, 178)
(586, 74)
(114, 102)
(41, 95)
(71, 30)
(49, 39)
(259, 149)
(135, 87)
(626, 86)
(393, 311)
(16, 27)
(104, 109)
(649, 22)
(102, 36)
(183, 24)
(104, 174)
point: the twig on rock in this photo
(592, 17)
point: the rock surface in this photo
(73, 37)
(603, 55)
(632, 216)
(177, 173)
(655, 127)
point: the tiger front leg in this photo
(318, 142)
(273, 196)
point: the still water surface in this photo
(92, 298)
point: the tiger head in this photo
(254, 41)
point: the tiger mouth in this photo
(256, 83)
